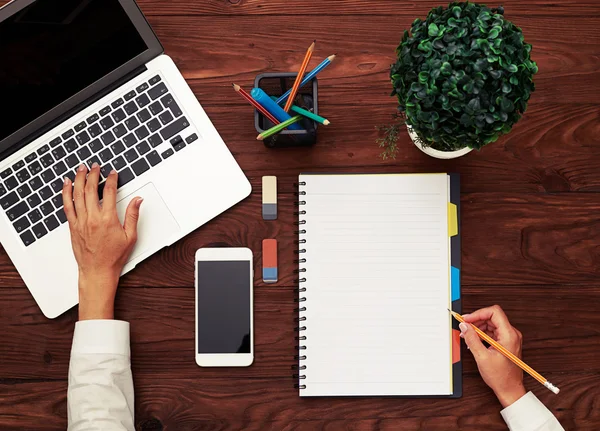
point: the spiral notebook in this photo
(379, 265)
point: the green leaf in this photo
(493, 34)
(506, 88)
(512, 68)
(434, 30)
(423, 77)
(456, 11)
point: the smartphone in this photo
(224, 307)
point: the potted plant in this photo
(463, 79)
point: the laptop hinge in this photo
(71, 112)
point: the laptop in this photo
(86, 81)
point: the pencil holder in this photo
(275, 84)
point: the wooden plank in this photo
(217, 56)
(271, 404)
(556, 339)
(412, 9)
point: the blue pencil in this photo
(308, 77)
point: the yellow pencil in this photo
(299, 78)
(508, 354)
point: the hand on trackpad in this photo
(156, 225)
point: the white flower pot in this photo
(436, 153)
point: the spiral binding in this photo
(300, 291)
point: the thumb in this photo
(472, 339)
(131, 218)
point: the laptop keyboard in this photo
(124, 135)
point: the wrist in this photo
(97, 295)
(508, 397)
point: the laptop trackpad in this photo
(156, 225)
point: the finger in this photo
(472, 340)
(131, 218)
(68, 206)
(92, 202)
(109, 202)
(78, 191)
(494, 314)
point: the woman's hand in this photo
(498, 372)
(100, 243)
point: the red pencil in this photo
(254, 103)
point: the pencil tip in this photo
(326, 122)
(259, 138)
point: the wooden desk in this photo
(531, 229)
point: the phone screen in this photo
(223, 302)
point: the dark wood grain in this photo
(530, 228)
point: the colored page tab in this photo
(269, 259)
(455, 283)
(452, 219)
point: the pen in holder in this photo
(275, 84)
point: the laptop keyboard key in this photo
(119, 163)
(48, 175)
(153, 158)
(168, 153)
(46, 160)
(95, 130)
(57, 201)
(39, 230)
(107, 122)
(59, 168)
(36, 183)
(144, 115)
(11, 183)
(154, 80)
(157, 91)
(140, 166)
(108, 138)
(142, 132)
(54, 142)
(71, 175)
(117, 103)
(72, 160)
(46, 193)
(142, 148)
(191, 138)
(2, 190)
(119, 130)
(93, 119)
(130, 140)
(83, 153)
(80, 126)
(153, 125)
(155, 140)
(129, 95)
(23, 175)
(119, 115)
(142, 100)
(61, 216)
(31, 157)
(125, 176)
(35, 216)
(51, 223)
(179, 146)
(131, 155)
(83, 138)
(92, 160)
(21, 224)
(174, 128)
(71, 145)
(66, 135)
(6, 173)
(130, 108)
(156, 108)
(168, 100)
(43, 149)
(105, 155)
(17, 211)
(57, 185)
(166, 117)
(34, 200)
(9, 200)
(24, 191)
(132, 123)
(95, 146)
(105, 170)
(27, 238)
(18, 165)
(105, 110)
(35, 168)
(46, 208)
(117, 147)
(59, 152)
(142, 88)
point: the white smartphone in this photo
(224, 307)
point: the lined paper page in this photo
(377, 285)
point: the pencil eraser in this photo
(269, 198)
(269, 260)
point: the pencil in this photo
(308, 77)
(254, 103)
(278, 128)
(508, 355)
(308, 114)
(300, 76)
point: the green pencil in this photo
(308, 114)
(278, 128)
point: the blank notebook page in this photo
(377, 285)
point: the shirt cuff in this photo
(101, 337)
(527, 413)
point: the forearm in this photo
(529, 414)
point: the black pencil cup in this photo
(275, 84)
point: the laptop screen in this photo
(53, 49)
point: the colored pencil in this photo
(254, 103)
(299, 78)
(308, 114)
(519, 363)
(308, 77)
(278, 128)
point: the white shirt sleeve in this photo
(529, 414)
(100, 394)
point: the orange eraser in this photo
(269, 259)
